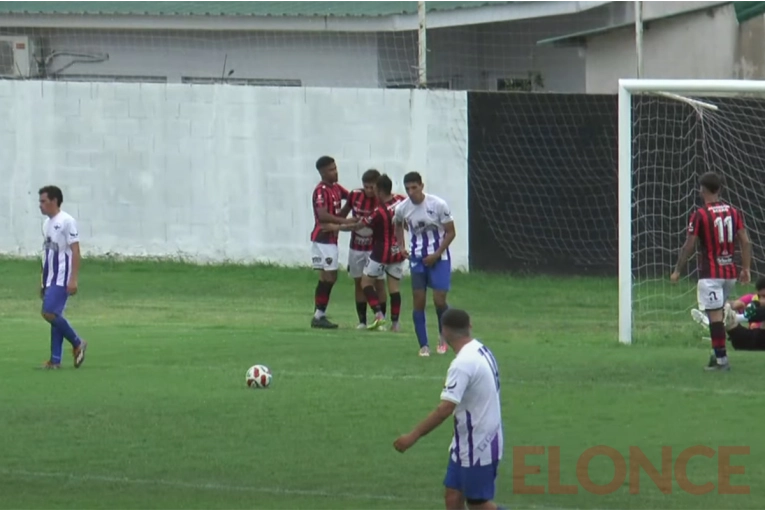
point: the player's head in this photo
(455, 327)
(51, 198)
(414, 186)
(760, 286)
(383, 187)
(710, 184)
(369, 179)
(327, 169)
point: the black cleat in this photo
(717, 367)
(712, 361)
(323, 323)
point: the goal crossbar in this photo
(667, 88)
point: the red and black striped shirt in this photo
(329, 197)
(362, 206)
(716, 225)
(385, 249)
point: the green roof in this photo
(748, 10)
(368, 9)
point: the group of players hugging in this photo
(715, 228)
(378, 251)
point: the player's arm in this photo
(357, 224)
(457, 381)
(400, 226)
(738, 305)
(73, 240)
(689, 247)
(447, 221)
(321, 203)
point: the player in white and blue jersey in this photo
(472, 395)
(429, 221)
(60, 270)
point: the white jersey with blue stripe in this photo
(472, 383)
(425, 222)
(59, 234)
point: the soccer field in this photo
(159, 415)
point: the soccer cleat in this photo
(48, 365)
(79, 353)
(700, 317)
(323, 323)
(729, 317)
(712, 362)
(362, 325)
(395, 327)
(717, 367)
(442, 348)
(378, 322)
(425, 352)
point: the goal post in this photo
(673, 132)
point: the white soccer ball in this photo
(258, 377)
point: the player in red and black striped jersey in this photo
(326, 200)
(362, 203)
(386, 257)
(715, 227)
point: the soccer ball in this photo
(258, 376)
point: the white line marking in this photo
(83, 478)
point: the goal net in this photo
(676, 137)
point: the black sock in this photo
(395, 306)
(384, 307)
(361, 311)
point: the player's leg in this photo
(439, 280)
(419, 299)
(712, 299)
(453, 485)
(324, 260)
(382, 294)
(372, 272)
(356, 261)
(479, 487)
(395, 272)
(54, 304)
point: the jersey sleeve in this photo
(444, 213)
(369, 220)
(457, 380)
(71, 232)
(398, 214)
(694, 225)
(321, 198)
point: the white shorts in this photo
(712, 293)
(324, 256)
(377, 270)
(357, 261)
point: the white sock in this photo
(318, 314)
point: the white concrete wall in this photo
(696, 45)
(214, 173)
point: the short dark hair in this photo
(413, 177)
(760, 283)
(456, 319)
(370, 176)
(53, 193)
(711, 182)
(384, 184)
(324, 161)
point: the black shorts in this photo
(744, 339)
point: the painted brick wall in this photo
(214, 172)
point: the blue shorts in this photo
(475, 482)
(437, 277)
(54, 300)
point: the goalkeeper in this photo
(747, 308)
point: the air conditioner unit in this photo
(17, 57)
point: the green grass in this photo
(159, 416)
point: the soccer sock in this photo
(361, 311)
(372, 299)
(717, 331)
(384, 307)
(418, 317)
(321, 298)
(440, 312)
(66, 330)
(395, 306)
(56, 344)
(740, 318)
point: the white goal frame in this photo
(667, 88)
